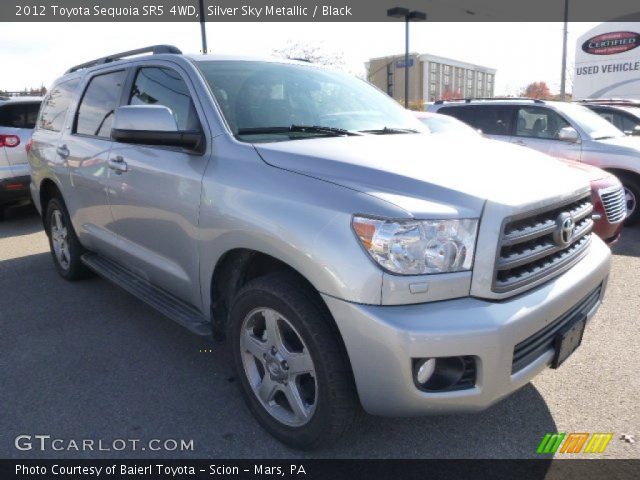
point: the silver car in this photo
(349, 259)
(563, 130)
(17, 119)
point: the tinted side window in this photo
(628, 123)
(55, 105)
(464, 114)
(163, 86)
(491, 119)
(98, 104)
(606, 114)
(539, 123)
(19, 115)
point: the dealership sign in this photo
(611, 43)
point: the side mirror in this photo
(568, 134)
(152, 125)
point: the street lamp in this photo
(563, 73)
(203, 31)
(408, 15)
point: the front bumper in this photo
(382, 340)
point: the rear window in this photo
(19, 115)
(55, 106)
(99, 103)
(491, 119)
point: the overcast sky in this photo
(36, 54)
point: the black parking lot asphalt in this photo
(87, 361)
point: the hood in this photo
(626, 144)
(430, 174)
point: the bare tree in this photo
(309, 52)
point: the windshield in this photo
(593, 124)
(445, 124)
(259, 100)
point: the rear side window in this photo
(491, 119)
(19, 115)
(163, 86)
(55, 106)
(98, 104)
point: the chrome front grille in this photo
(614, 203)
(538, 245)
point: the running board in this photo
(170, 306)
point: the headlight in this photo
(415, 247)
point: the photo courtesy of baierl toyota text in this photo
(318, 239)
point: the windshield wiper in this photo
(337, 132)
(604, 137)
(389, 130)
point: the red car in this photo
(607, 193)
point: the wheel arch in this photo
(47, 190)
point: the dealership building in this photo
(430, 77)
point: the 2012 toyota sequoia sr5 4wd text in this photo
(349, 259)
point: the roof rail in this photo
(153, 49)
(469, 100)
(610, 101)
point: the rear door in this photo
(85, 147)
(18, 118)
(538, 127)
(155, 202)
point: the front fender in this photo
(299, 220)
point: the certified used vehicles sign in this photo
(611, 43)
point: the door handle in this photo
(521, 143)
(63, 151)
(118, 164)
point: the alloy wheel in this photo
(279, 367)
(60, 240)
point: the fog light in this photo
(444, 373)
(425, 369)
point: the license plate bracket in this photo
(568, 340)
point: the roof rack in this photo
(153, 49)
(610, 101)
(469, 100)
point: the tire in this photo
(632, 190)
(327, 397)
(63, 237)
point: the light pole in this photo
(408, 15)
(563, 74)
(203, 32)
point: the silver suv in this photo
(563, 130)
(349, 259)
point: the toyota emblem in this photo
(565, 229)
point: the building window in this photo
(447, 69)
(433, 66)
(432, 88)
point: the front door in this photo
(155, 191)
(538, 128)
